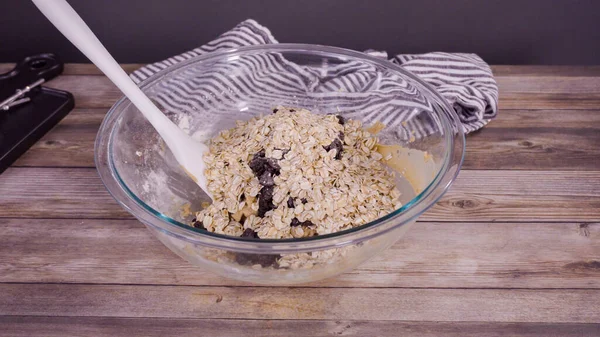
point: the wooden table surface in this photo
(512, 249)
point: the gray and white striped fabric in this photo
(464, 80)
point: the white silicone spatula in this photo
(187, 151)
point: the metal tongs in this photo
(18, 97)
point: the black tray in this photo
(23, 125)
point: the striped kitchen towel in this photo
(464, 80)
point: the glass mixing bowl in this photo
(208, 93)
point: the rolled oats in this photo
(295, 174)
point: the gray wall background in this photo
(501, 31)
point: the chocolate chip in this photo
(273, 167)
(307, 223)
(264, 260)
(295, 222)
(275, 111)
(292, 110)
(266, 179)
(341, 119)
(290, 203)
(304, 201)
(337, 145)
(249, 233)
(259, 164)
(198, 224)
(283, 151)
(265, 200)
(256, 163)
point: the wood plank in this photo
(56, 193)
(466, 255)
(516, 92)
(532, 119)
(533, 149)
(28, 326)
(549, 85)
(528, 183)
(516, 196)
(78, 68)
(532, 140)
(498, 70)
(538, 70)
(520, 92)
(90, 91)
(517, 139)
(476, 207)
(379, 304)
(520, 88)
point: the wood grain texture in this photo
(56, 193)
(516, 92)
(547, 71)
(90, 91)
(498, 70)
(466, 255)
(558, 119)
(513, 249)
(534, 149)
(475, 196)
(521, 92)
(378, 304)
(537, 139)
(28, 326)
(517, 139)
(78, 68)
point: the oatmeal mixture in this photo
(295, 174)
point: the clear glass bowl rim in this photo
(407, 213)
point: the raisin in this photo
(290, 203)
(292, 110)
(265, 200)
(304, 201)
(249, 233)
(341, 119)
(264, 260)
(266, 179)
(335, 145)
(275, 110)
